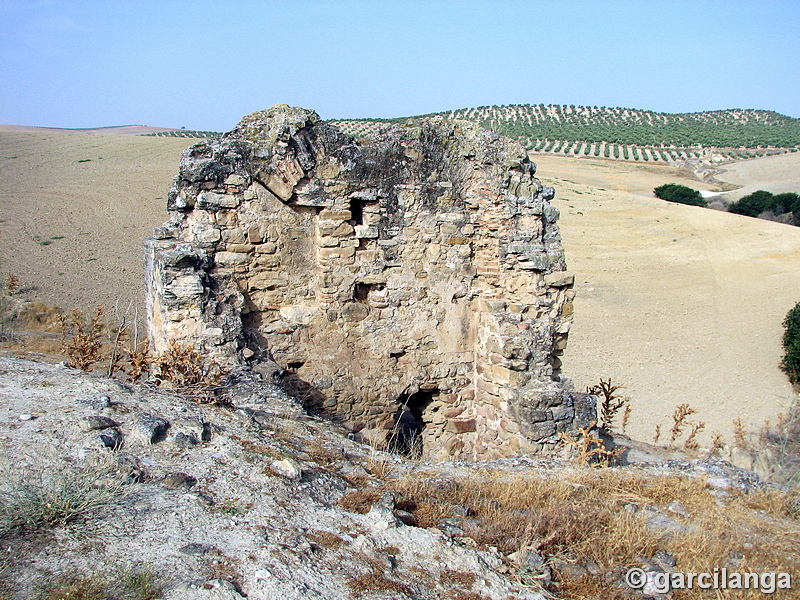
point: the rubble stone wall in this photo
(412, 283)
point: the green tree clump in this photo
(791, 343)
(674, 192)
(762, 201)
(752, 205)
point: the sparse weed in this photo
(657, 435)
(626, 417)
(691, 441)
(779, 447)
(41, 496)
(138, 583)
(717, 443)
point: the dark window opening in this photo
(361, 290)
(356, 212)
(406, 435)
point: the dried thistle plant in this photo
(610, 402)
(680, 420)
(81, 338)
(12, 284)
(691, 440)
(138, 360)
(739, 436)
(184, 369)
(657, 435)
(589, 448)
(626, 417)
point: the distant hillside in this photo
(628, 134)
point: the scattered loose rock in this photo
(96, 422)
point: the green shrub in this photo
(762, 201)
(674, 192)
(753, 204)
(791, 343)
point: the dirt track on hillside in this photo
(679, 304)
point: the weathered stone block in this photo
(212, 201)
(333, 214)
(239, 248)
(366, 231)
(540, 262)
(327, 241)
(235, 180)
(231, 258)
(354, 312)
(559, 279)
(266, 281)
(185, 286)
(537, 431)
(254, 235)
(461, 425)
(206, 234)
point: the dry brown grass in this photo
(360, 500)
(462, 579)
(326, 539)
(601, 516)
(375, 580)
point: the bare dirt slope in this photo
(776, 174)
(75, 209)
(678, 303)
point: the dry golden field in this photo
(677, 303)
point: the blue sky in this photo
(202, 65)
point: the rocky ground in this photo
(258, 499)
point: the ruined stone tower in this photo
(413, 282)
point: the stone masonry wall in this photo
(413, 284)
